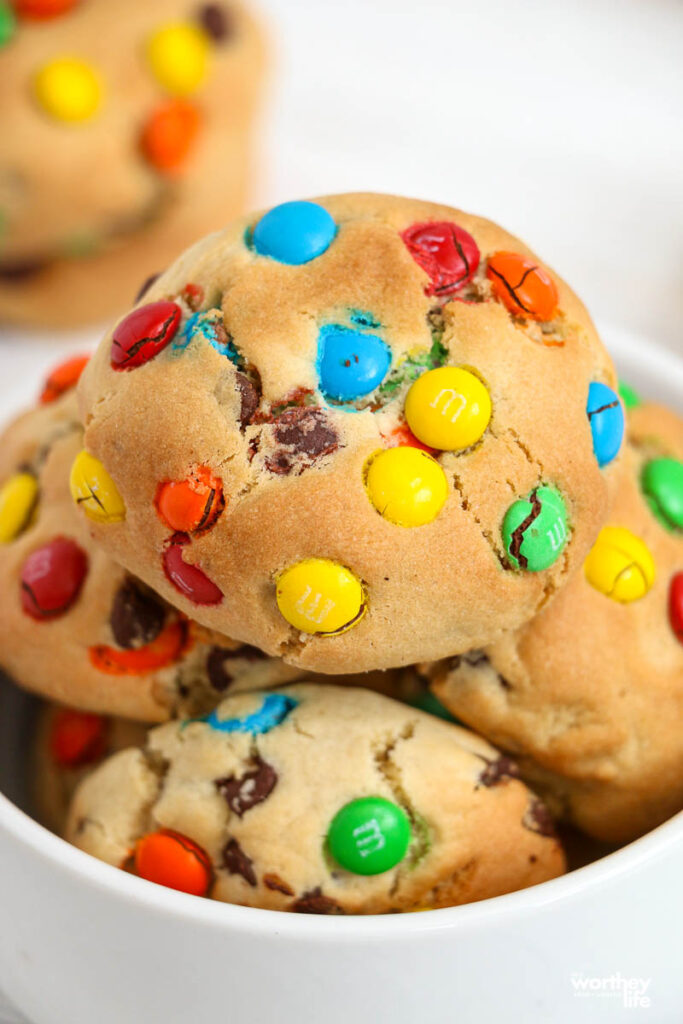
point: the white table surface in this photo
(560, 119)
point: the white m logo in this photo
(557, 534)
(316, 610)
(369, 838)
(449, 397)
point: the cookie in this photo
(357, 448)
(67, 747)
(589, 696)
(74, 626)
(126, 134)
(320, 800)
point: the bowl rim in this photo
(223, 917)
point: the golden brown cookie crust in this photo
(435, 589)
(481, 835)
(589, 696)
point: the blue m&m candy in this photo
(606, 417)
(294, 233)
(351, 363)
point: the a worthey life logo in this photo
(634, 993)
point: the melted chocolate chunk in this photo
(314, 902)
(216, 22)
(137, 616)
(219, 658)
(146, 285)
(17, 271)
(276, 884)
(236, 862)
(249, 399)
(539, 819)
(498, 771)
(244, 792)
(301, 431)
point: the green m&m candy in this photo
(7, 23)
(369, 835)
(535, 530)
(662, 482)
(629, 396)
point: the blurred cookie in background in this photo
(127, 133)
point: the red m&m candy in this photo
(42, 10)
(52, 577)
(447, 253)
(63, 378)
(676, 605)
(143, 334)
(171, 859)
(77, 738)
(190, 580)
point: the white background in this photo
(562, 120)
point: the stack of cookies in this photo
(348, 502)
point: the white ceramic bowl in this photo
(83, 943)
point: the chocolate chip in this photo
(244, 792)
(146, 285)
(17, 271)
(307, 431)
(275, 883)
(539, 819)
(249, 399)
(137, 616)
(236, 862)
(216, 22)
(498, 771)
(219, 676)
(314, 902)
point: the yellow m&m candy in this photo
(620, 565)
(178, 55)
(94, 490)
(68, 89)
(448, 408)
(406, 485)
(17, 501)
(320, 596)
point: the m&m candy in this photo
(77, 738)
(52, 577)
(369, 836)
(676, 605)
(8, 23)
(320, 596)
(274, 709)
(94, 491)
(351, 363)
(143, 334)
(620, 565)
(662, 482)
(42, 10)
(68, 89)
(448, 408)
(406, 485)
(178, 55)
(192, 505)
(525, 288)
(447, 253)
(606, 418)
(163, 650)
(63, 378)
(170, 134)
(535, 530)
(629, 396)
(294, 233)
(188, 579)
(18, 497)
(171, 859)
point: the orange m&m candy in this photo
(63, 378)
(43, 9)
(171, 859)
(169, 135)
(77, 738)
(523, 286)
(191, 505)
(165, 650)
